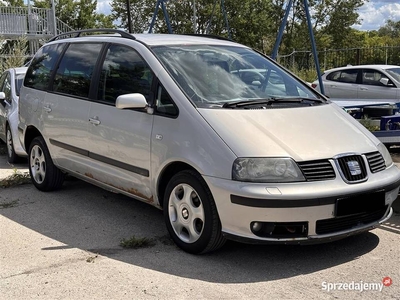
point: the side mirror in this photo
(386, 82)
(131, 101)
(2, 96)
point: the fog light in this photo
(256, 226)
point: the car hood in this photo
(307, 133)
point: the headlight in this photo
(266, 170)
(385, 153)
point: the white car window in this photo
(372, 77)
(346, 76)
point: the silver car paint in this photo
(209, 140)
(9, 114)
(354, 91)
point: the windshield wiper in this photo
(269, 101)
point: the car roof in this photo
(150, 39)
(378, 66)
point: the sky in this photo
(373, 14)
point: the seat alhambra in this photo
(225, 141)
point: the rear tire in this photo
(44, 174)
(191, 215)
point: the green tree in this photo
(78, 14)
(390, 29)
(141, 12)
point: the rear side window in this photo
(123, 72)
(76, 68)
(346, 76)
(39, 71)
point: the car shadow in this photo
(83, 216)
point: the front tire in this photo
(44, 174)
(191, 215)
(12, 157)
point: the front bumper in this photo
(314, 204)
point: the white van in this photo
(219, 136)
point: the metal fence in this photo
(331, 58)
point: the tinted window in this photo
(39, 72)
(347, 76)
(123, 72)
(164, 104)
(18, 82)
(372, 77)
(76, 68)
(3, 77)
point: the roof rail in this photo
(211, 36)
(75, 34)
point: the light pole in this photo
(194, 17)
(53, 10)
(128, 7)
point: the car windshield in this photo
(395, 72)
(216, 76)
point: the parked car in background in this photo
(10, 84)
(362, 82)
(220, 137)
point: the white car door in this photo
(119, 139)
(342, 84)
(372, 88)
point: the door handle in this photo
(47, 108)
(363, 89)
(95, 121)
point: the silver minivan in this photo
(221, 138)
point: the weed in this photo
(9, 204)
(136, 243)
(91, 259)
(369, 124)
(15, 179)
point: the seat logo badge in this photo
(354, 167)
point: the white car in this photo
(362, 82)
(10, 84)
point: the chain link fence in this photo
(332, 58)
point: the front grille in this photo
(348, 222)
(317, 170)
(375, 161)
(352, 168)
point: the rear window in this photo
(346, 76)
(41, 67)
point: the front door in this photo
(119, 140)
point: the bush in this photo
(13, 53)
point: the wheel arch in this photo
(166, 175)
(30, 133)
